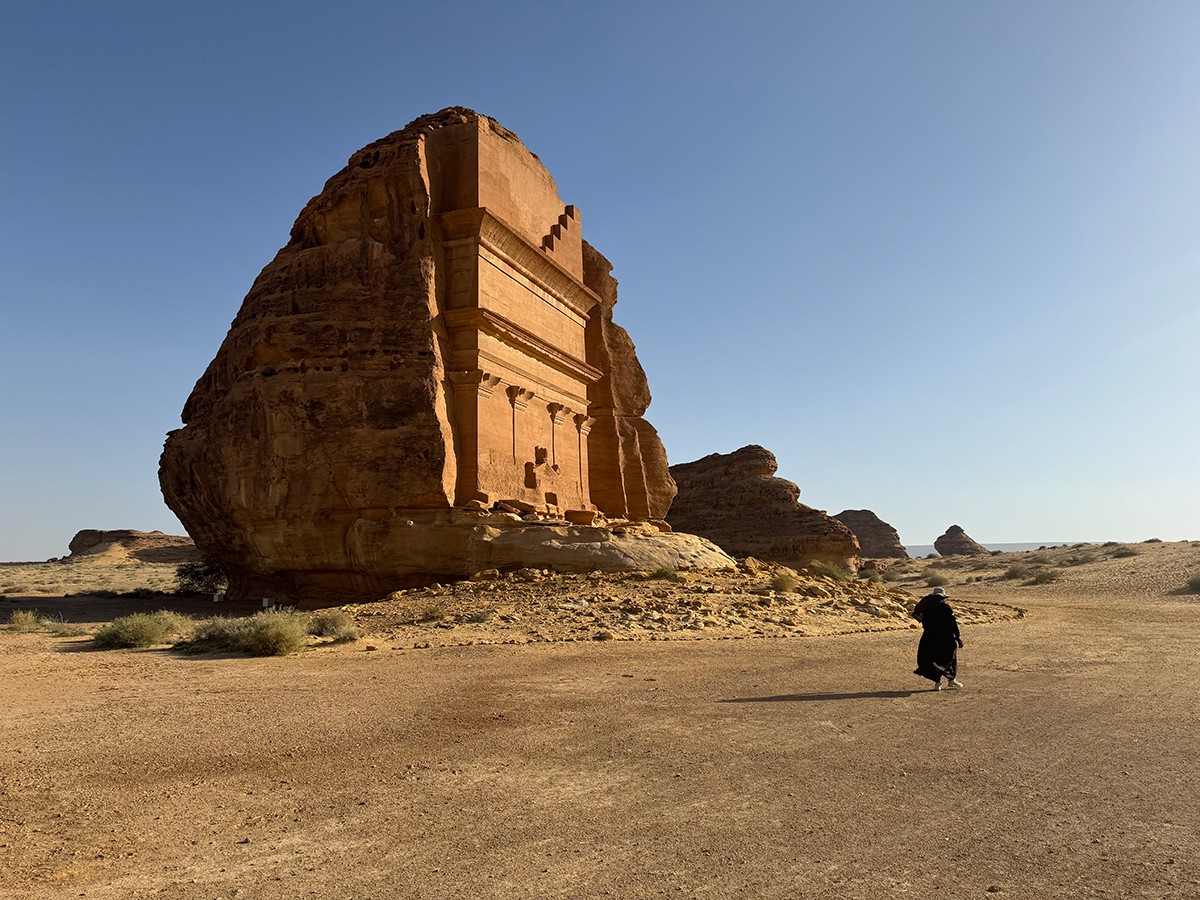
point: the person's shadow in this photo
(807, 698)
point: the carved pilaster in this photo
(583, 423)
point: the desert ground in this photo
(650, 736)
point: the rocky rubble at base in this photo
(757, 600)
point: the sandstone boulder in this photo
(735, 500)
(876, 538)
(435, 336)
(956, 542)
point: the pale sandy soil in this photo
(794, 766)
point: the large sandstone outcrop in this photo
(435, 338)
(876, 538)
(735, 500)
(956, 542)
(125, 545)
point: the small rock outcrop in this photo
(956, 542)
(125, 545)
(434, 346)
(735, 500)
(876, 538)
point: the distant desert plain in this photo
(750, 733)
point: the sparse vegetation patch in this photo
(272, 632)
(141, 630)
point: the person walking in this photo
(937, 653)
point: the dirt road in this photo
(772, 768)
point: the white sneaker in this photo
(954, 683)
(937, 685)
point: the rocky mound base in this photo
(755, 600)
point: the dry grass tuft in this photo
(336, 624)
(24, 620)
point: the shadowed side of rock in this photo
(736, 501)
(876, 538)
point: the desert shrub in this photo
(479, 616)
(141, 630)
(1013, 572)
(893, 574)
(1152, 541)
(1194, 583)
(1124, 553)
(1043, 576)
(272, 632)
(336, 624)
(783, 582)
(434, 611)
(827, 570)
(936, 580)
(1110, 544)
(203, 576)
(995, 552)
(24, 620)
(871, 575)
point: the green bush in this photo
(1014, 572)
(204, 576)
(336, 624)
(1194, 583)
(272, 632)
(1124, 553)
(141, 630)
(827, 570)
(24, 620)
(936, 580)
(1152, 541)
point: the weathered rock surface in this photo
(436, 335)
(123, 545)
(876, 538)
(956, 542)
(735, 500)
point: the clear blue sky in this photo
(942, 258)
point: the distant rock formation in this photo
(876, 538)
(735, 500)
(435, 344)
(123, 545)
(956, 542)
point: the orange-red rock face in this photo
(436, 334)
(735, 500)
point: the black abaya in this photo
(937, 653)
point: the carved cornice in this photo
(522, 339)
(519, 397)
(485, 382)
(479, 226)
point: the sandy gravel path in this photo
(773, 768)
